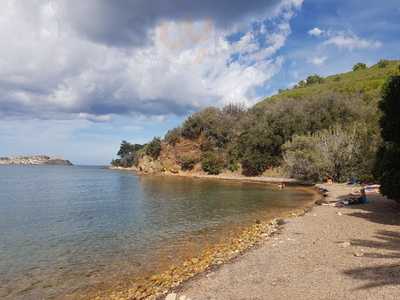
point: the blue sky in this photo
(75, 86)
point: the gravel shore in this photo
(329, 253)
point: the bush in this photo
(338, 153)
(212, 163)
(187, 163)
(314, 79)
(153, 149)
(254, 164)
(388, 158)
(116, 162)
(303, 161)
(383, 63)
(173, 136)
(359, 66)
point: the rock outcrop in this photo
(34, 160)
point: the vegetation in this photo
(388, 157)
(187, 162)
(339, 153)
(173, 136)
(322, 127)
(129, 155)
(153, 149)
(212, 163)
(359, 66)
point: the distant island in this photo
(34, 160)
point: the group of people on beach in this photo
(357, 197)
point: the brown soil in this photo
(330, 253)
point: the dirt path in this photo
(330, 253)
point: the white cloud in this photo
(315, 32)
(352, 42)
(48, 70)
(318, 60)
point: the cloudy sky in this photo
(77, 77)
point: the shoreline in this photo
(327, 253)
(159, 285)
(222, 176)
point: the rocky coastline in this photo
(34, 160)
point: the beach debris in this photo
(171, 296)
(345, 244)
(280, 222)
(359, 253)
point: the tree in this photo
(128, 154)
(336, 152)
(153, 149)
(314, 79)
(212, 163)
(359, 66)
(128, 148)
(172, 137)
(388, 158)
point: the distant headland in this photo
(34, 160)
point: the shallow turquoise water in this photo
(69, 230)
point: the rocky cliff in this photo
(34, 160)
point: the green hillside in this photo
(368, 82)
(322, 127)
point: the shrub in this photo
(173, 136)
(187, 163)
(314, 79)
(303, 161)
(388, 158)
(359, 66)
(153, 149)
(116, 162)
(383, 63)
(336, 152)
(212, 163)
(254, 164)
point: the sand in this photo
(329, 253)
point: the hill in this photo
(321, 127)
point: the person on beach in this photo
(355, 198)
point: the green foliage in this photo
(253, 139)
(336, 152)
(116, 162)
(173, 136)
(311, 80)
(153, 149)
(314, 79)
(212, 163)
(388, 158)
(129, 155)
(128, 148)
(390, 107)
(359, 66)
(383, 63)
(187, 162)
(217, 126)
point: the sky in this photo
(77, 77)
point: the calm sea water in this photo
(70, 230)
